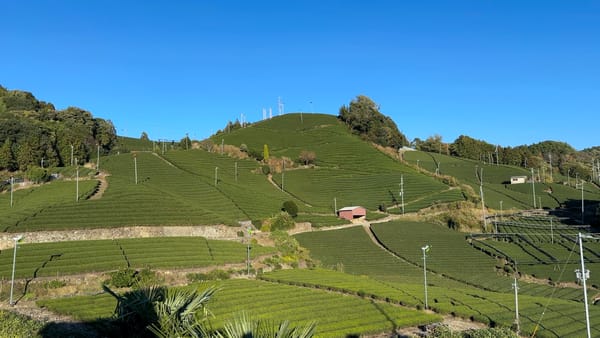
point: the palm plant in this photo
(159, 311)
(242, 326)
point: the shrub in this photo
(266, 169)
(38, 175)
(283, 221)
(123, 278)
(290, 207)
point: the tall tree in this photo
(363, 117)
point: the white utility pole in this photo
(516, 288)
(425, 249)
(482, 199)
(335, 206)
(583, 275)
(282, 173)
(582, 203)
(533, 188)
(402, 191)
(12, 281)
(12, 182)
(77, 183)
(71, 155)
(135, 168)
(216, 175)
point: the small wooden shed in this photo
(351, 213)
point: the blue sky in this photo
(508, 72)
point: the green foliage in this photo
(362, 116)
(15, 325)
(266, 152)
(37, 175)
(243, 326)
(266, 170)
(123, 278)
(216, 274)
(144, 136)
(173, 312)
(281, 221)
(37, 130)
(290, 207)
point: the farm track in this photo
(101, 188)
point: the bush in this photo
(283, 221)
(38, 175)
(266, 169)
(290, 207)
(123, 278)
(212, 275)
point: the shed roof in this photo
(349, 208)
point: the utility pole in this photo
(71, 155)
(482, 199)
(516, 288)
(583, 275)
(135, 168)
(282, 173)
(335, 206)
(402, 191)
(533, 188)
(216, 175)
(77, 182)
(425, 250)
(551, 176)
(236, 172)
(12, 282)
(98, 158)
(582, 203)
(12, 182)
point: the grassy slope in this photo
(348, 169)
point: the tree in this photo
(362, 116)
(307, 157)
(291, 208)
(144, 136)
(266, 152)
(7, 157)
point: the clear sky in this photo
(508, 72)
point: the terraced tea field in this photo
(271, 301)
(66, 258)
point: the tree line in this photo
(34, 133)
(544, 154)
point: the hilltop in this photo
(197, 212)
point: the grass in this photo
(562, 318)
(66, 258)
(354, 315)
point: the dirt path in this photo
(102, 188)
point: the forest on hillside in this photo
(34, 133)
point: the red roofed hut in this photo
(351, 213)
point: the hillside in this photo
(247, 174)
(33, 133)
